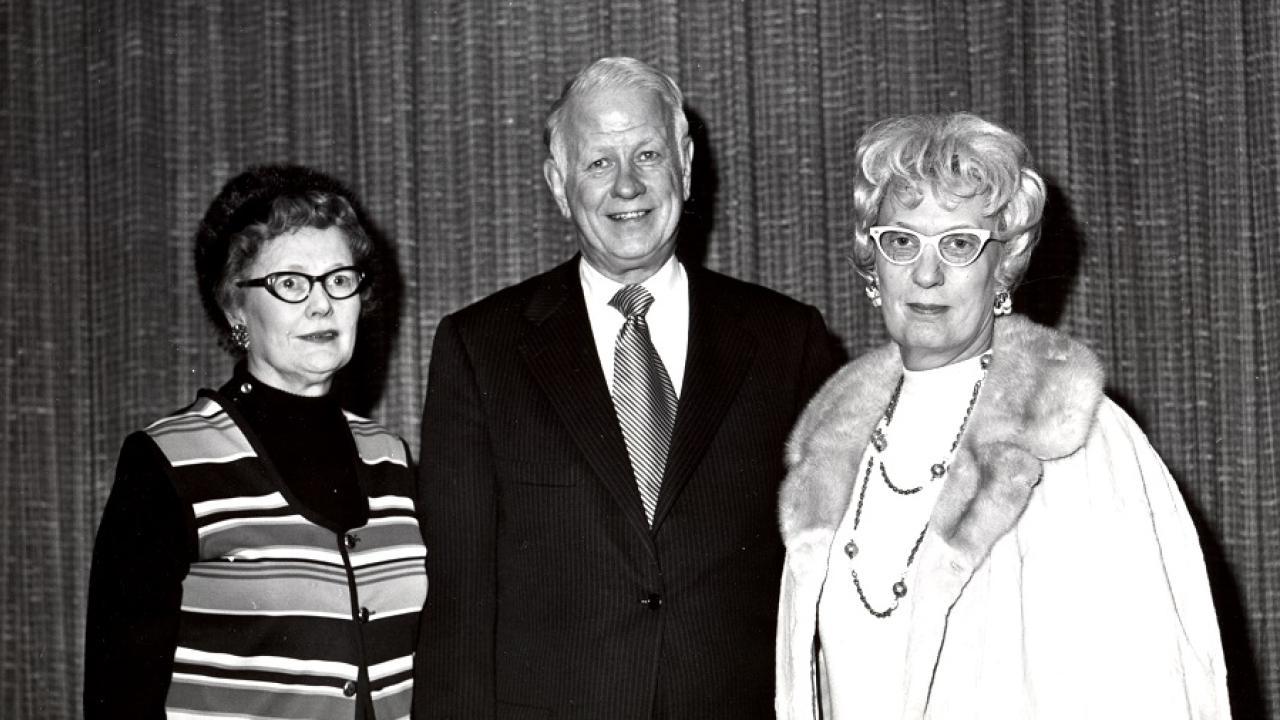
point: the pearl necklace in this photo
(937, 471)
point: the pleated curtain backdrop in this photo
(1156, 122)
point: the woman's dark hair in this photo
(259, 205)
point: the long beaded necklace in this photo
(937, 471)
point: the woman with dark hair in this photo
(259, 555)
(973, 529)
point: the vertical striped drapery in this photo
(1157, 123)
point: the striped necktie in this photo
(643, 396)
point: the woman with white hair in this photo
(973, 529)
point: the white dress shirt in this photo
(668, 317)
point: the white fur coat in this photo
(1061, 576)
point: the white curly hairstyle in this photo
(956, 156)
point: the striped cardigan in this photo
(283, 618)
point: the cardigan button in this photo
(653, 601)
(349, 688)
(246, 388)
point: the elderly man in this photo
(602, 447)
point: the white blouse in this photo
(864, 655)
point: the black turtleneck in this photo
(146, 540)
(310, 445)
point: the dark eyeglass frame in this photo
(268, 282)
(981, 234)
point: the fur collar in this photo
(1037, 403)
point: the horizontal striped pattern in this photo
(381, 673)
(375, 444)
(196, 696)
(301, 588)
(236, 504)
(393, 588)
(282, 537)
(270, 589)
(267, 664)
(395, 701)
(387, 503)
(268, 626)
(296, 636)
(203, 433)
(314, 683)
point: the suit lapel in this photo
(561, 354)
(720, 352)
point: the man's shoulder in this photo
(513, 300)
(554, 285)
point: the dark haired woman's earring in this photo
(873, 292)
(1004, 303)
(240, 336)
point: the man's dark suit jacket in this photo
(550, 596)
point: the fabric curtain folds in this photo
(1156, 123)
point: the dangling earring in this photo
(873, 292)
(240, 336)
(1004, 303)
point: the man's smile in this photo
(630, 215)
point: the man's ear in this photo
(555, 181)
(686, 169)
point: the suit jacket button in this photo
(350, 540)
(349, 688)
(653, 602)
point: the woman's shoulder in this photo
(374, 442)
(200, 432)
(205, 405)
(1042, 391)
(1115, 472)
(1116, 435)
(858, 389)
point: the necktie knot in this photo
(632, 301)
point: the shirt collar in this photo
(599, 289)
